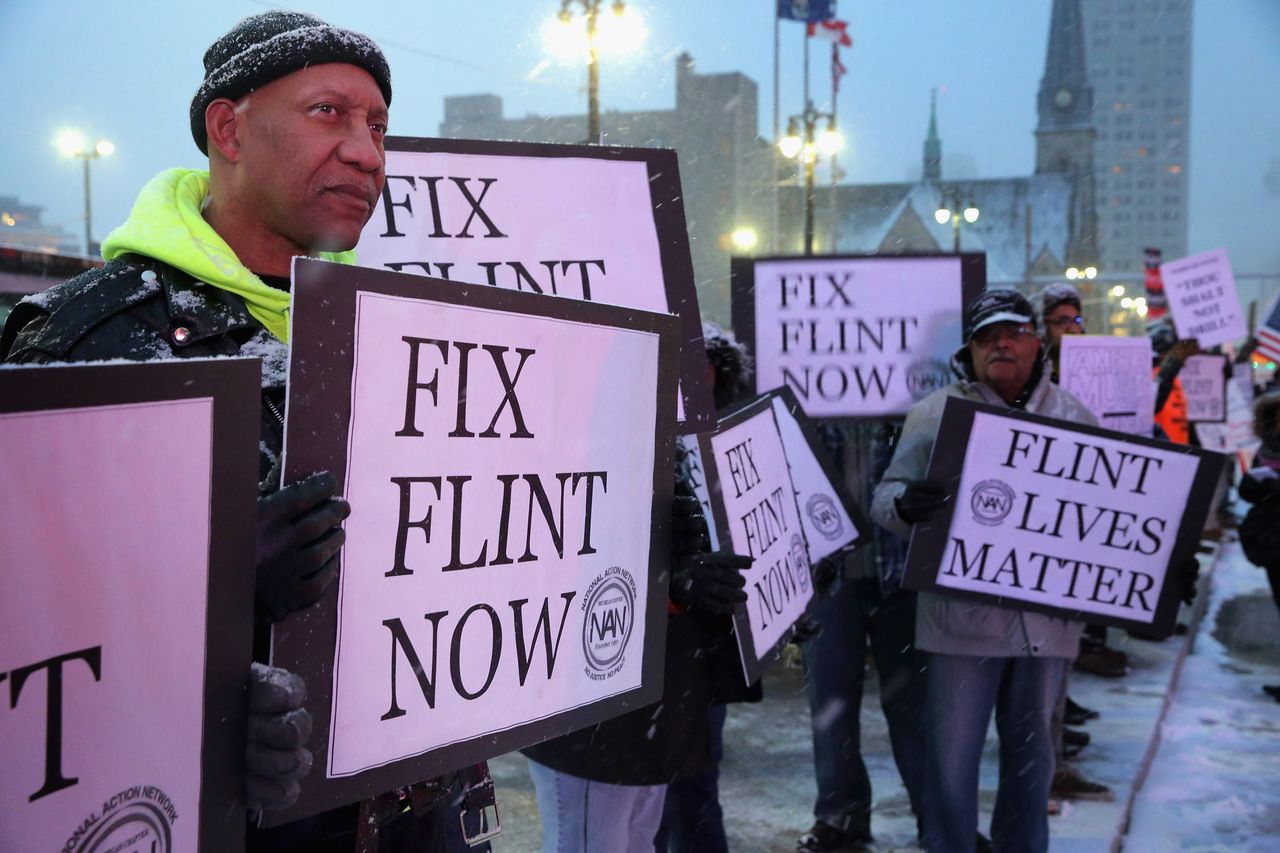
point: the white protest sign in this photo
(1076, 521)
(698, 478)
(126, 620)
(1111, 375)
(828, 527)
(854, 336)
(509, 469)
(758, 517)
(596, 223)
(1202, 297)
(1204, 382)
(1236, 434)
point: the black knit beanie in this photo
(263, 48)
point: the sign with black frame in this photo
(508, 460)
(754, 504)
(833, 523)
(127, 617)
(593, 222)
(1061, 518)
(1204, 383)
(854, 335)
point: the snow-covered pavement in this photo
(1214, 783)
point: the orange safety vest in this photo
(1172, 418)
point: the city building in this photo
(22, 228)
(724, 164)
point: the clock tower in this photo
(1065, 135)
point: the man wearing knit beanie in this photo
(292, 113)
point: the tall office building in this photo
(1139, 59)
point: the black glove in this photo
(709, 581)
(279, 726)
(688, 527)
(1189, 577)
(298, 541)
(921, 500)
(805, 629)
(825, 573)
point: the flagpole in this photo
(805, 35)
(835, 91)
(773, 160)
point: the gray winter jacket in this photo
(962, 626)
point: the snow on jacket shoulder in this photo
(962, 626)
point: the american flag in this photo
(1269, 333)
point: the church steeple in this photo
(932, 144)
(1066, 99)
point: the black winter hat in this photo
(1059, 293)
(1003, 305)
(263, 48)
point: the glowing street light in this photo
(808, 145)
(949, 210)
(744, 239)
(619, 31)
(72, 143)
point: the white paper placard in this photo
(699, 481)
(1111, 375)
(1203, 299)
(1204, 383)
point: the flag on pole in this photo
(1268, 333)
(807, 10)
(838, 69)
(833, 31)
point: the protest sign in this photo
(831, 520)
(1061, 518)
(127, 614)
(854, 335)
(1111, 375)
(698, 479)
(754, 503)
(593, 222)
(1204, 382)
(1203, 299)
(1235, 436)
(508, 460)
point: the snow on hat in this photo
(1003, 305)
(1059, 293)
(263, 48)
(1162, 335)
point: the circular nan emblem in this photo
(138, 818)
(800, 562)
(926, 376)
(824, 515)
(991, 502)
(608, 613)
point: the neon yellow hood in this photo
(166, 224)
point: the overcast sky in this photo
(126, 71)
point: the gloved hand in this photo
(709, 581)
(279, 726)
(688, 527)
(1189, 577)
(298, 541)
(921, 500)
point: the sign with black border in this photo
(1034, 500)
(754, 504)
(854, 335)
(509, 463)
(1204, 383)
(128, 609)
(594, 222)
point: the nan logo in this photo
(609, 609)
(926, 376)
(991, 502)
(824, 515)
(140, 817)
(800, 562)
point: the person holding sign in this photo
(292, 113)
(983, 657)
(1060, 311)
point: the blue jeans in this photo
(854, 613)
(581, 816)
(692, 821)
(963, 690)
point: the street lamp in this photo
(949, 210)
(617, 32)
(72, 143)
(1089, 273)
(744, 239)
(808, 147)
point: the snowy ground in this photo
(1214, 783)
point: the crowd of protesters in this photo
(292, 113)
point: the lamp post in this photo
(72, 143)
(620, 30)
(807, 148)
(949, 209)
